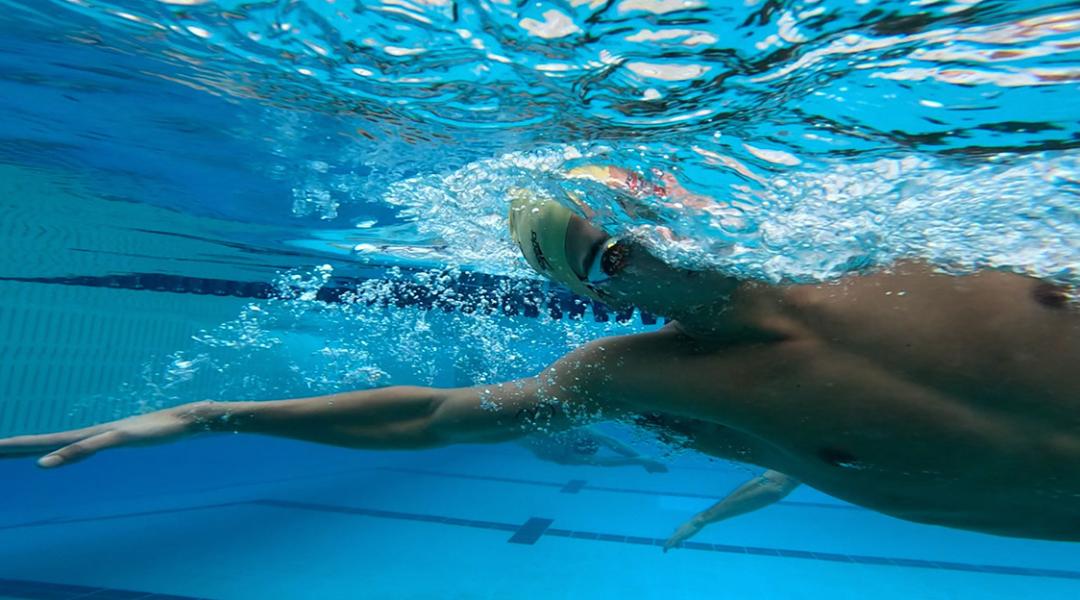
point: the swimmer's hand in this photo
(68, 447)
(685, 531)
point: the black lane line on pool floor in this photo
(573, 486)
(535, 528)
(576, 485)
(129, 515)
(44, 590)
(531, 531)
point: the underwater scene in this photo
(346, 299)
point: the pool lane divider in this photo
(535, 529)
(473, 292)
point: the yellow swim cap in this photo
(538, 226)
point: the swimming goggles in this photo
(610, 258)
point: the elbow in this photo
(778, 490)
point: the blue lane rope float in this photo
(473, 292)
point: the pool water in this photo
(258, 200)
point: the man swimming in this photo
(949, 400)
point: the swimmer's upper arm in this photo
(667, 371)
(563, 396)
(483, 414)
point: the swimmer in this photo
(581, 446)
(940, 399)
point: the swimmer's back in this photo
(996, 338)
(940, 399)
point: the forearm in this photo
(750, 496)
(399, 417)
(617, 446)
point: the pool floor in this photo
(251, 518)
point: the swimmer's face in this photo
(636, 272)
(583, 241)
(640, 279)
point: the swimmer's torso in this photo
(947, 400)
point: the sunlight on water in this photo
(813, 137)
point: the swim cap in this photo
(538, 226)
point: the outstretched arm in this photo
(401, 417)
(759, 492)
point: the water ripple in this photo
(769, 115)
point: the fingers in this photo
(23, 444)
(671, 543)
(80, 450)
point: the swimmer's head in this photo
(539, 227)
(616, 271)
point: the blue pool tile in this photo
(530, 531)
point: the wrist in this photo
(210, 416)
